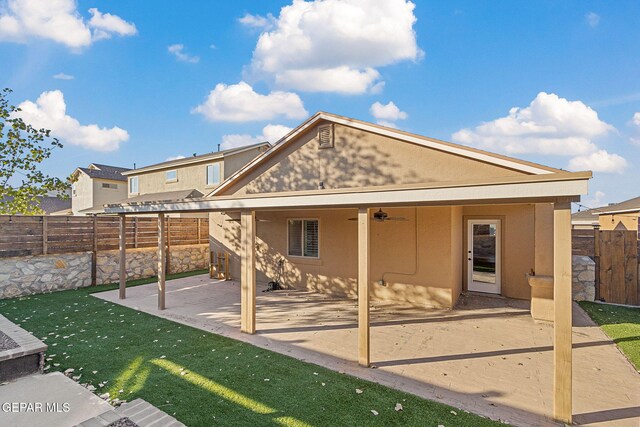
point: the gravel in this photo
(123, 422)
(6, 343)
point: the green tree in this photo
(22, 149)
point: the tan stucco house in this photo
(187, 178)
(95, 186)
(356, 209)
(620, 216)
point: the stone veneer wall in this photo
(44, 273)
(29, 275)
(584, 278)
(143, 262)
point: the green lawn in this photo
(204, 379)
(622, 324)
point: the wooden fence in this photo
(39, 235)
(617, 257)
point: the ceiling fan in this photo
(381, 216)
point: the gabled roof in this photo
(196, 159)
(631, 205)
(96, 170)
(588, 216)
(456, 149)
(49, 204)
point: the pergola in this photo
(558, 189)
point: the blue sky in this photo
(572, 68)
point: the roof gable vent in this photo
(325, 136)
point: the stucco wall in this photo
(616, 222)
(83, 198)
(518, 244)
(102, 196)
(361, 159)
(192, 176)
(420, 260)
(46, 273)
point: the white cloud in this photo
(63, 76)
(595, 200)
(550, 125)
(178, 157)
(599, 161)
(177, 50)
(387, 114)
(334, 45)
(257, 21)
(59, 21)
(240, 103)
(50, 112)
(636, 119)
(593, 19)
(270, 133)
(105, 25)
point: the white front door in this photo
(483, 255)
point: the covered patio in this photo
(487, 355)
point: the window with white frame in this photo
(133, 185)
(213, 174)
(303, 237)
(171, 176)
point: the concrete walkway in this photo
(51, 400)
(487, 356)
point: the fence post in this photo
(198, 237)
(596, 259)
(135, 232)
(45, 235)
(168, 260)
(94, 253)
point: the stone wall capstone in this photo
(584, 278)
(44, 273)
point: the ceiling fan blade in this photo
(396, 218)
(352, 219)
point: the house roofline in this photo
(564, 185)
(457, 149)
(194, 159)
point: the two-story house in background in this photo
(189, 177)
(95, 186)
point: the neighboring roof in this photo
(461, 150)
(588, 216)
(113, 173)
(196, 159)
(631, 205)
(518, 189)
(50, 204)
(54, 204)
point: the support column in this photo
(248, 273)
(562, 340)
(364, 342)
(161, 262)
(123, 257)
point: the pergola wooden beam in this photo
(562, 299)
(123, 257)
(161, 262)
(248, 272)
(364, 341)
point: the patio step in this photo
(21, 353)
(138, 413)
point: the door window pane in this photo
(303, 237)
(295, 237)
(484, 253)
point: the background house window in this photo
(303, 237)
(171, 176)
(133, 185)
(213, 174)
(74, 192)
(108, 185)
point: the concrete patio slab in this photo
(486, 356)
(52, 400)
